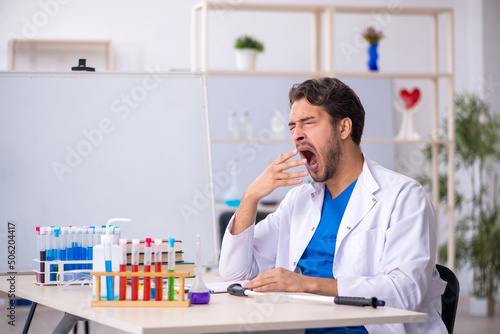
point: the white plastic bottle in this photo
(246, 126)
(232, 197)
(278, 124)
(99, 261)
(232, 125)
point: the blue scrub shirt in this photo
(317, 259)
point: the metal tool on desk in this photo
(238, 290)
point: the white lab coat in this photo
(386, 244)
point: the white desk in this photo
(224, 313)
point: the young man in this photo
(357, 230)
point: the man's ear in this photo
(345, 128)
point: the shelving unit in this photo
(30, 48)
(324, 31)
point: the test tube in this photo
(90, 245)
(171, 268)
(41, 250)
(56, 253)
(108, 265)
(63, 242)
(147, 269)
(97, 235)
(70, 250)
(84, 243)
(49, 234)
(116, 234)
(123, 268)
(135, 268)
(158, 280)
(49, 253)
(79, 246)
(107, 229)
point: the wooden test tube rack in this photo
(180, 302)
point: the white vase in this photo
(245, 59)
(481, 306)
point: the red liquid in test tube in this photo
(135, 268)
(158, 280)
(147, 269)
(123, 268)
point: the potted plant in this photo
(477, 149)
(246, 52)
(372, 36)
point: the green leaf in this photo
(248, 42)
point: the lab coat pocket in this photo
(366, 250)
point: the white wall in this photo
(153, 33)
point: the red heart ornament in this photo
(410, 98)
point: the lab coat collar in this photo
(362, 200)
(366, 177)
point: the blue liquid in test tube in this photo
(50, 251)
(64, 242)
(56, 252)
(91, 244)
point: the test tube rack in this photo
(57, 275)
(180, 302)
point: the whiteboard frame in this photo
(207, 147)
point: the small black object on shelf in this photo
(82, 66)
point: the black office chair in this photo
(449, 299)
(225, 217)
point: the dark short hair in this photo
(338, 99)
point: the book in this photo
(179, 266)
(164, 256)
(164, 246)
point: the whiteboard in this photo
(80, 148)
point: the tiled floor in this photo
(46, 319)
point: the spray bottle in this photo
(106, 257)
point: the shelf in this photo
(361, 75)
(322, 45)
(320, 8)
(363, 141)
(55, 46)
(251, 140)
(263, 73)
(391, 75)
(400, 141)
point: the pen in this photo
(171, 268)
(135, 268)
(237, 290)
(158, 280)
(147, 268)
(358, 301)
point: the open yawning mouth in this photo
(308, 153)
